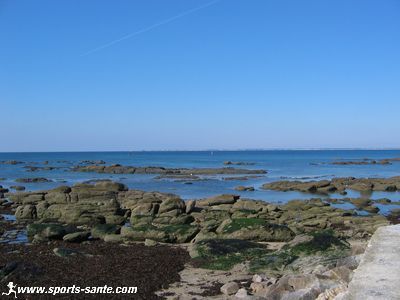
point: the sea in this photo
(280, 165)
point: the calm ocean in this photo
(280, 164)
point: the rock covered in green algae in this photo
(223, 254)
(26, 212)
(48, 230)
(255, 229)
(76, 237)
(167, 218)
(169, 234)
(323, 247)
(81, 204)
(100, 230)
(41, 232)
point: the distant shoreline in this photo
(209, 150)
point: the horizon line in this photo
(220, 150)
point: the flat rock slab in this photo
(378, 275)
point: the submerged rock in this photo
(337, 184)
(242, 188)
(364, 162)
(33, 180)
(17, 187)
(238, 163)
(118, 169)
(11, 162)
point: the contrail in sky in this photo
(151, 27)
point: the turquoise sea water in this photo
(280, 164)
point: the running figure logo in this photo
(11, 289)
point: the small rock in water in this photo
(242, 188)
(230, 288)
(18, 187)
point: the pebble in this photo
(241, 293)
(259, 278)
(230, 288)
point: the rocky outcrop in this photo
(37, 168)
(242, 178)
(33, 180)
(367, 161)
(298, 250)
(364, 162)
(17, 187)
(242, 188)
(11, 162)
(254, 229)
(238, 163)
(337, 185)
(119, 169)
(80, 204)
(313, 266)
(93, 162)
(138, 215)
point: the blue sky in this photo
(228, 74)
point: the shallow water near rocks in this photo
(280, 164)
(13, 236)
(8, 217)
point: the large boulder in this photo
(99, 231)
(250, 205)
(145, 209)
(51, 231)
(172, 204)
(218, 200)
(141, 233)
(76, 237)
(26, 212)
